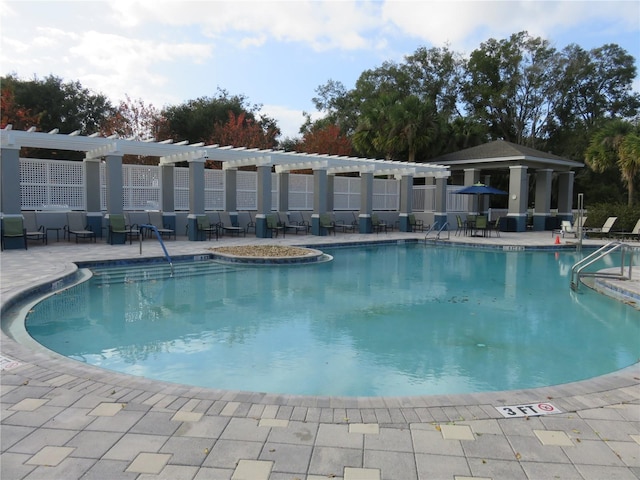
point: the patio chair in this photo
(416, 224)
(462, 226)
(34, 231)
(251, 224)
(327, 223)
(205, 226)
(13, 227)
(495, 227)
(377, 224)
(481, 224)
(77, 225)
(274, 225)
(227, 226)
(155, 219)
(118, 226)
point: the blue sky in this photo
(276, 53)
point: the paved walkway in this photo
(66, 420)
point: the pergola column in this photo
(167, 199)
(196, 199)
(406, 201)
(440, 213)
(264, 199)
(565, 195)
(366, 202)
(471, 177)
(518, 197)
(10, 181)
(230, 194)
(92, 194)
(319, 200)
(542, 212)
(10, 190)
(283, 192)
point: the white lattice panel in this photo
(300, 192)
(140, 186)
(346, 193)
(386, 194)
(246, 190)
(181, 188)
(51, 182)
(214, 189)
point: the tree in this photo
(510, 87)
(616, 145)
(20, 117)
(326, 140)
(195, 120)
(242, 130)
(65, 106)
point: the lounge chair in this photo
(204, 225)
(295, 225)
(566, 228)
(118, 226)
(327, 223)
(634, 234)
(77, 225)
(341, 223)
(605, 230)
(13, 227)
(227, 226)
(34, 231)
(155, 219)
(274, 225)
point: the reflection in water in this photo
(380, 320)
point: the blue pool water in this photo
(378, 320)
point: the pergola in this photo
(111, 150)
(519, 160)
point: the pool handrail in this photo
(159, 237)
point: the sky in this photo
(275, 53)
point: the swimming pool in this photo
(377, 320)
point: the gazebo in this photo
(519, 161)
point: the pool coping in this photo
(609, 389)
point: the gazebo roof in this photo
(501, 154)
(96, 147)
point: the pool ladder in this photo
(434, 228)
(626, 252)
(159, 237)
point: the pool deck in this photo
(62, 419)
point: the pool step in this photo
(157, 271)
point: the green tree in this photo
(65, 106)
(616, 145)
(196, 120)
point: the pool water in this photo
(376, 321)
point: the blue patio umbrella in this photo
(481, 189)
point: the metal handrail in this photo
(446, 224)
(577, 271)
(159, 237)
(431, 229)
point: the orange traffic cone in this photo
(557, 242)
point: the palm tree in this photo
(616, 145)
